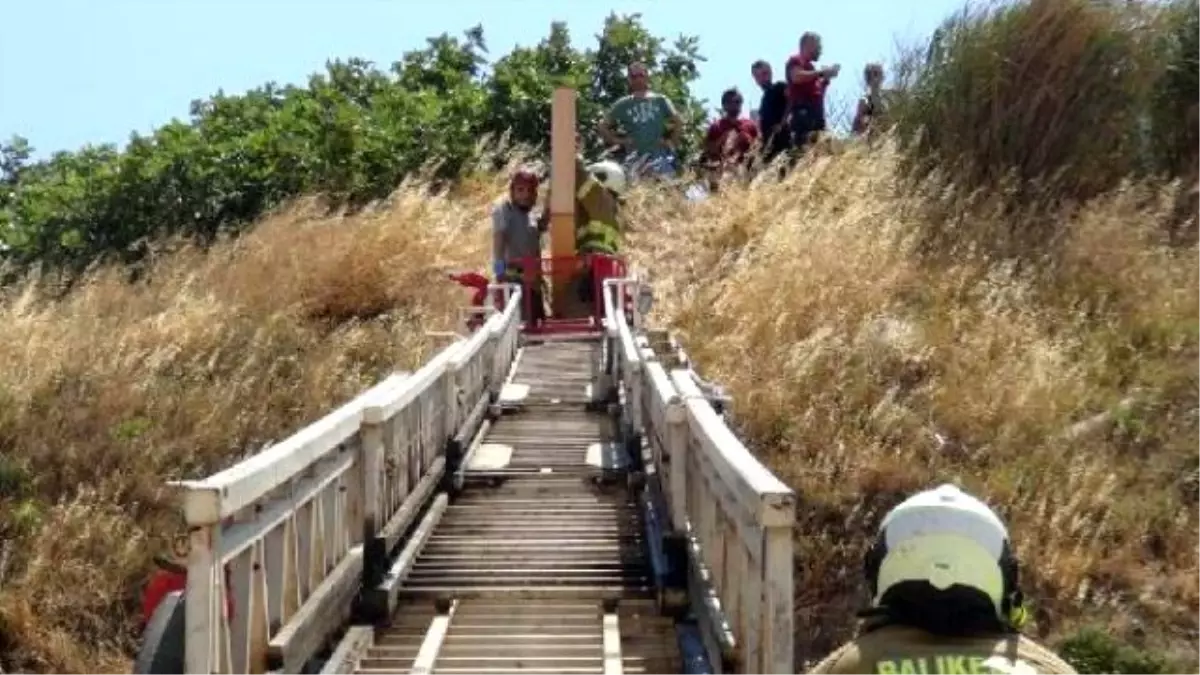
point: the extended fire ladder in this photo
(540, 563)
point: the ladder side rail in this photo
(415, 426)
(611, 353)
(660, 411)
(479, 370)
(270, 535)
(630, 364)
(405, 432)
(278, 542)
(665, 428)
(625, 356)
(741, 517)
(472, 370)
(506, 331)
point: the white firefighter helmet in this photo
(943, 537)
(609, 174)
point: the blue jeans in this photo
(661, 164)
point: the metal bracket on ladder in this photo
(715, 394)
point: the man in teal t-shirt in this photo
(646, 124)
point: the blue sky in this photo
(91, 71)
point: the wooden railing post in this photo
(777, 615)
(374, 552)
(678, 433)
(202, 625)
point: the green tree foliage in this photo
(351, 134)
(1030, 106)
(1067, 97)
(1176, 98)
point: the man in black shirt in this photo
(772, 112)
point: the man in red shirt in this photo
(806, 90)
(729, 139)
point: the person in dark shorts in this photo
(517, 242)
(806, 84)
(772, 112)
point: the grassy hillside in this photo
(995, 295)
(1063, 392)
(117, 388)
(877, 372)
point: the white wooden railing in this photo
(286, 535)
(736, 516)
(291, 534)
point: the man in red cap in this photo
(517, 240)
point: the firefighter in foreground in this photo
(944, 598)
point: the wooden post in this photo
(562, 196)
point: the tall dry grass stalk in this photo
(1057, 99)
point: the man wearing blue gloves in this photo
(517, 242)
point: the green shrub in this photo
(1062, 99)
(1094, 651)
(1174, 121)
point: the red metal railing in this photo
(557, 270)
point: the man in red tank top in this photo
(806, 89)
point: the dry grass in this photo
(117, 388)
(876, 372)
(864, 356)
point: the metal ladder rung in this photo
(431, 647)
(612, 644)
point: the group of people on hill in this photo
(645, 126)
(643, 131)
(791, 112)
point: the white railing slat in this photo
(739, 469)
(386, 404)
(241, 536)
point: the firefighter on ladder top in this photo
(517, 233)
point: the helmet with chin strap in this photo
(944, 546)
(609, 174)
